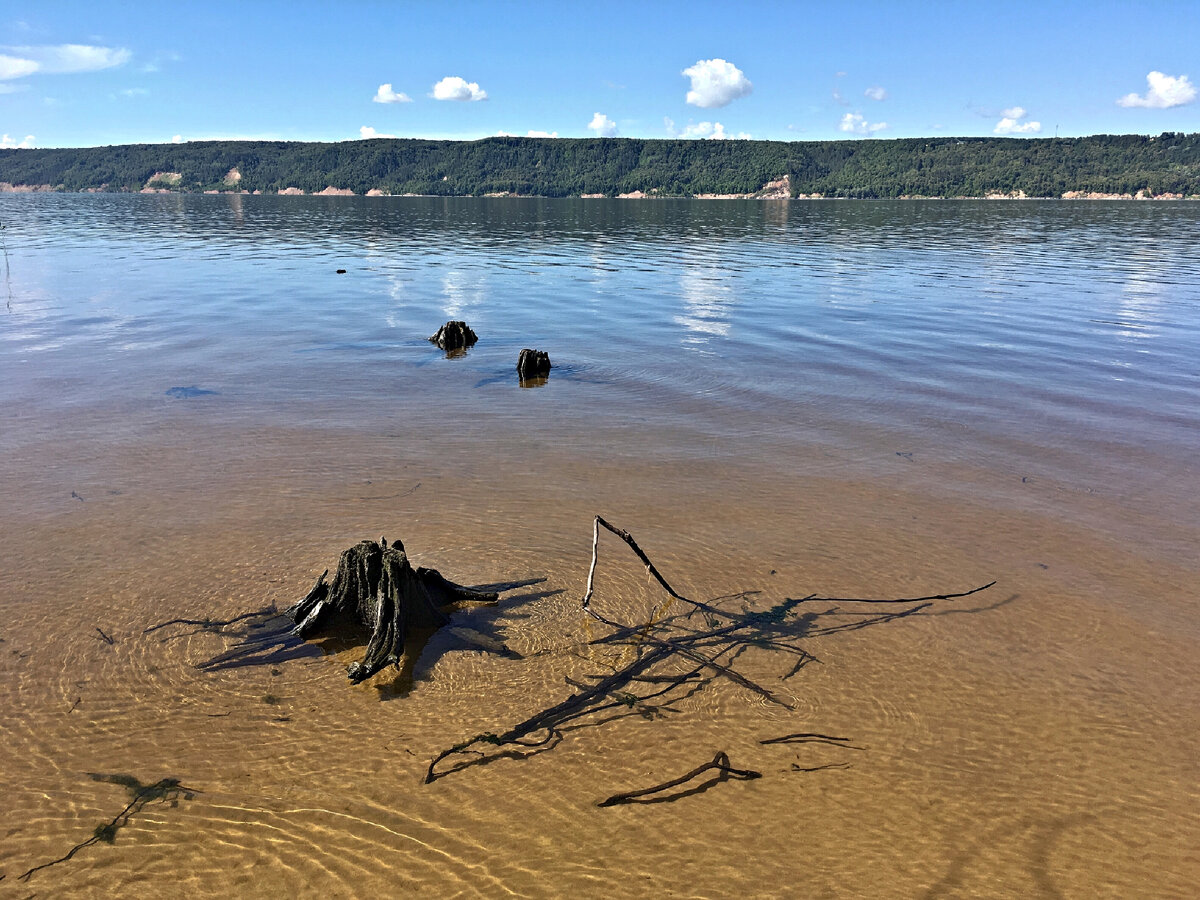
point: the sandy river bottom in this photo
(1039, 739)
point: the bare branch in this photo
(720, 762)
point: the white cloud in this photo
(1012, 124)
(8, 143)
(712, 131)
(68, 58)
(367, 133)
(454, 88)
(385, 94)
(134, 92)
(876, 93)
(716, 83)
(855, 123)
(16, 67)
(542, 134)
(177, 139)
(1164, 92)
(603, 126)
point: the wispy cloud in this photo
(1164, 91)
(856, 123)
(603, 126)
(134, 92)
(454, 88)
(63, 59)
(156, 64)
(367, 133)
(716, 83)
(385, 94)
(1011, 123)
(876, 93)
(8, 143)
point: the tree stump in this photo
(454, 335)
(377, 587)
(533, 364)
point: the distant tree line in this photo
(553, 167)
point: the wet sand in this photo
(1038, 739)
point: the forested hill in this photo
(560, 167)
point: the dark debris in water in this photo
(166, 790)
(189, 391)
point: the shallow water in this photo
(850, 399)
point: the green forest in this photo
(562, 167)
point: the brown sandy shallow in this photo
(1039, 739)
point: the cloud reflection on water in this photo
(708, 299)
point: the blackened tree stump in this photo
(454, 335)
(377, 587)
(533, 364)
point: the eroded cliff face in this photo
(1140, 195)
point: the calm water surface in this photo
(847, 398)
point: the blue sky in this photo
(106, 72)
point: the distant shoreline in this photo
(1101, 167)
(6, 188)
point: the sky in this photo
(78, 74)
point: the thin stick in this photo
(903, 599)
(810, 737)
(720, 762)
(628, 539)
(209, 623)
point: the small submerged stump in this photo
(533, 364)
(455, 335)
(376, 586)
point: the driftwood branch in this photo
(720, 763)
(808, 737)
(674, 655)
(931, 597)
